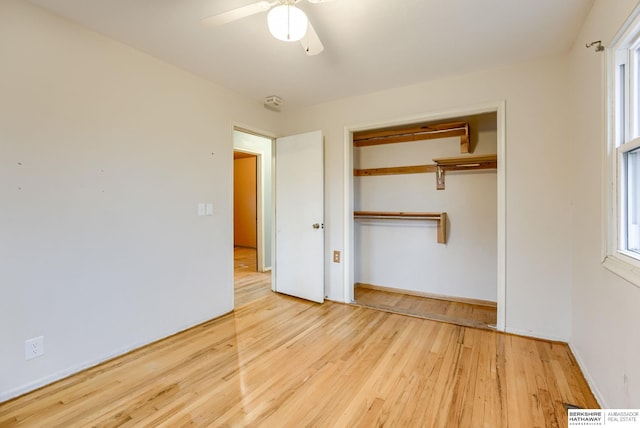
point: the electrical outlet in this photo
(336, 256)
(34, 347)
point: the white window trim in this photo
(615, 259)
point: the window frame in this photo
(623, 136)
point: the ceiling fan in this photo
(286, 21)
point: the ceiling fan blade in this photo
(239, 13)
(311, 42)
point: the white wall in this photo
(262, 146)
(606, 309)
(406, 254)
(538, 263)
(105, 153)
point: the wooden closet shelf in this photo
(439, 217)
(459, 163)
(415, 133)
(414, 169)
(467, 161)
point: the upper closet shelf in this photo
(458, 163)
(471, 161)
(415, 133)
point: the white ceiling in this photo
(370, 45)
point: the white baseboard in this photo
(66, 372)
(592, 385)
(533, 334)
(59, 375)
(459, 299)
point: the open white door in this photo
(299, 216)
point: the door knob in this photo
(316, 226)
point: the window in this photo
(623, 153)
(629, 164)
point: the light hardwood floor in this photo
(283, 362)
(249, 285)
(465, 314)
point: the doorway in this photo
(252, 216)
(299, 179)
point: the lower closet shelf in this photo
(440, 218)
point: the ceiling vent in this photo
(273, 102)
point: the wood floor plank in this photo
(249, 284)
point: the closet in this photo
(425, 209)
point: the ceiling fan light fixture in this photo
(287, 23)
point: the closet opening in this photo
(425, 218)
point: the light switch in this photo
(209, 209)
(202, 209)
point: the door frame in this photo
(498, 107)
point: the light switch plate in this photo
(209, 209)
(202, 210)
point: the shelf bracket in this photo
(442, 228)
(439, 177)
